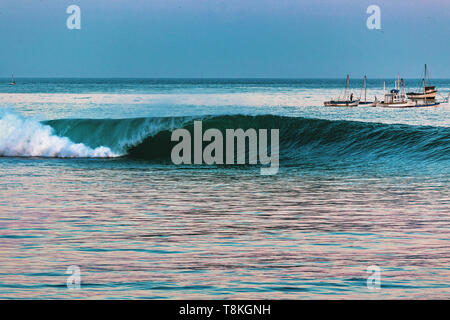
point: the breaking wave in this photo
(22, 137)
(301, 139)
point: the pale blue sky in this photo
(224, 38)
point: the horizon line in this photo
(213, 78)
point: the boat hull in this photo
(367, 104)
(408, 104)
(426, 95)
(431, 104)
(341, 103)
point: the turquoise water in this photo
(86, 180)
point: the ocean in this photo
(86, 180)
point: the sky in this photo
(224, 39)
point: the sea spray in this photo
(23, 137)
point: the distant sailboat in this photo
(365, 102)
(429, 92)
(427, 98)
(13, 82)
(346, 101)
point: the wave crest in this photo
(22, 137)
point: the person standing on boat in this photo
(351, 97)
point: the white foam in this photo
(23, 137)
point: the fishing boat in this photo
(345, 101)
(396, 98)
(426, 97)
(13, 82)
(428, 93)
(365, 102)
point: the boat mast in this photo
(365, 88)
(403, 91)
(384, 89)
(425, 79)
(347, 93)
